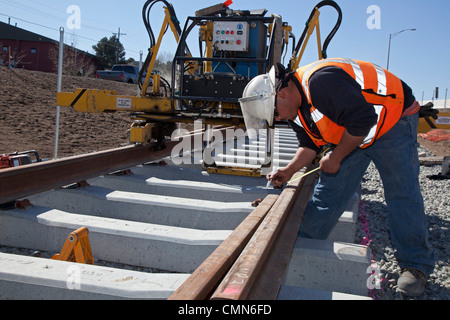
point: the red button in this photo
(238, 42)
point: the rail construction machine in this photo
(234, 46)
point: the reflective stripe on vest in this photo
(379, 87)
(369, 138)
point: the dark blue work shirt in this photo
(338, 96)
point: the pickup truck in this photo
(120, 72)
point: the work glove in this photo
(428, 111)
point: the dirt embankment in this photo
(28, 115)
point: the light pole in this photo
(392, 35)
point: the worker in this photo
(367, 114)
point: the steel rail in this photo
(240, 280)
(22, 181)
(19, 182)
(270, 278)
(205, 279)
(252, 261)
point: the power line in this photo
(41, 13)
(37, 24)
(54, 29)
(37, 11)
(30, 9)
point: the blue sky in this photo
(418, 57)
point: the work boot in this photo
(412, 282)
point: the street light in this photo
(392, 35)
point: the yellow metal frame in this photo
(207, 35)
(76, 248)
(97, 101)
(156, 86)
(141, 132)
(312, 25)
(154, 50)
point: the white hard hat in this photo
(258, 102)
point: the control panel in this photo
(231, 36)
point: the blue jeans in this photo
(395, 156)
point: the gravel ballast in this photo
(373, 231)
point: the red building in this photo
(20, 48)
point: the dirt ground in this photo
(438, 148)
(28, 116)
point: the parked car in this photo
(120, 72)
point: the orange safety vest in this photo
(378, 86)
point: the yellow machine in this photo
(234, 47)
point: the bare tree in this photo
(74, 62)
(12, 57)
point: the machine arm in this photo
(311, 24)
(170, 20)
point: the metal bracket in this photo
(76, 248)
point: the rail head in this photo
(22, 181)
(241, 266)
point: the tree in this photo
(163, 64)
(12, 57)
(74, 62)
(109, 52)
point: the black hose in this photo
(146, 18)
(336, 26)
(333, 31)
